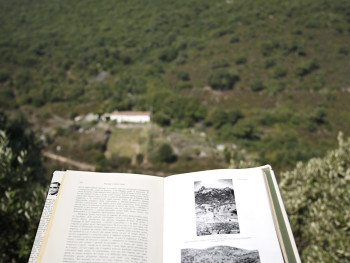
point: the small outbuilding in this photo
(128, 116)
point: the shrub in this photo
(343, 50)
(313, 23)
(233, 116)
(184, 85)
(268, 47)
(164, 153)
(227, 155)
(269, 63)
(178, 109)
(276, 87)
(139, 158)
(297, 31)
(217, 118)
(282, 114)
(7, 98)
(317, 118)
(234, 39)
(220, 32)
(280, 72)
(290, 47)
(60, 131)
(87, 146)
(182, 45)
(155, 69)
(183, 75)
(73, 114)
(4, 76)
(257, 85)
(267, 119)
(168, 54)
(240, 59)
(219, 63)
(126, 58)
(101, 161)
(223, 79)
(117, 161)
(316, 197)
(245, 130)
(225, 132)
(301, 51)
(22, 189)
(306, 68)
(161, 118)
(181, 59)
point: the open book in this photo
(228, 215)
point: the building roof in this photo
(131, 113)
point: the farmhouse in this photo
(128, 116)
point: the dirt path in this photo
(79, 165)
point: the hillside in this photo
(271, 77)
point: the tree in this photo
(168, 54)
(22, 194)
(257, 85)
(307, 67)
(233, 116)
(166, 153)
(245, 129)
(217, 118)
(223, 79)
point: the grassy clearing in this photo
(125, 142)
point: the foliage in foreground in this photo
(21, 191)
(316, 196)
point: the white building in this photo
(128, 116)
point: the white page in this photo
(254, 235)
(46, 214)
(106, 218)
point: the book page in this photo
(218, 216)
(46, 214)
(106, 218)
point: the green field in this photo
(124, 142)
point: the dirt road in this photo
(79, 165)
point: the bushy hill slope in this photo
(53, 51)
(283, 64)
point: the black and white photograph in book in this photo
(54, 187)
(224, 254)
(215, 207)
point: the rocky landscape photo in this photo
(223, 254)
(215, 207)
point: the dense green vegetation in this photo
(22, 194)
(316, 195)
(268, 79)
(283, 64)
